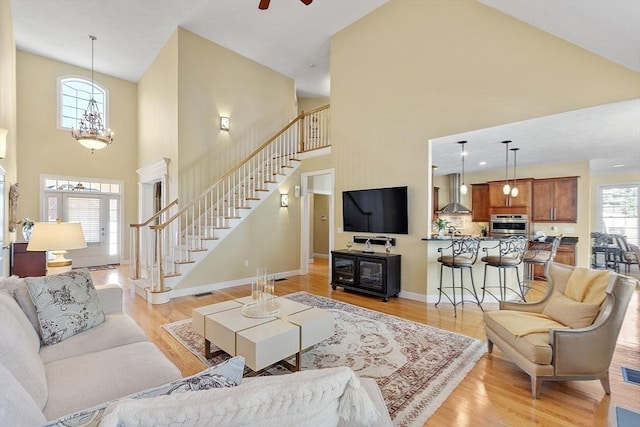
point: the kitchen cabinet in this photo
(480, 202)
(27, 263)
(436, 192)
(497, 199)
(555, 200)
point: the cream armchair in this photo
(568, 335)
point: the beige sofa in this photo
(568, 335)
(79, 380)
(44, 382)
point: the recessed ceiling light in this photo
(483, 163)
(618, 166)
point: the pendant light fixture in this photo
(514, 189)
(91, 132)
(463, 187)
(506, 189)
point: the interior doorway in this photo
(317, 215)
(153, 188)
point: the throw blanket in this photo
(307, 398)
(586, 285)
(521, 323)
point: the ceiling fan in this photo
(264, 4)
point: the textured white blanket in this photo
(312, 398)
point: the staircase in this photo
(165, 247)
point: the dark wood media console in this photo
(370, 273)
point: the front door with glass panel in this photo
(97, 208)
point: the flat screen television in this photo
(376, 210)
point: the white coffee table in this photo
(262, 341)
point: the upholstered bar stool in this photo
(460, 255)
(510, 252)
(540, 253)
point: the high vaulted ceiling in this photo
(293, 39)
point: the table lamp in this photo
(57, 238)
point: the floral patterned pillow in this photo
(66, 303)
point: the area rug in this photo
(416, 366)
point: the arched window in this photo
(74, 94)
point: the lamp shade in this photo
(56, 236)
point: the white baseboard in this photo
(196, 290)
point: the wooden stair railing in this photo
(136, 233)
(185, 232)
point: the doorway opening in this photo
(317, 222)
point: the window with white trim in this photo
(619, 210)
(74, 94)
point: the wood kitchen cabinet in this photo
(555, 200)
(480, 202)
(497, 199)
(27, 263)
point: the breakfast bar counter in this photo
(433, 266)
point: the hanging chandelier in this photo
(463, 187)
(91, 132)
(506, 189)
(514, 189)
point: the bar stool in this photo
(460, 255)
(541, 253)
(510, 253)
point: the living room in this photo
(471, 78)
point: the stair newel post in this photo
(135, 241)
(159, 260)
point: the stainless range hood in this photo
(454, 207)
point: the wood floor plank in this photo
(494, 393)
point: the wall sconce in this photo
(224, 123)
(284, 200)
(3, 142)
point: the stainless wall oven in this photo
(505, 225)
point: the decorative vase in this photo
(441, 233)
(26, 232)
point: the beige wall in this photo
(45, 149)
(415, 70)
(158, 113)
(308, 104)
(214, 81)
(8, 114)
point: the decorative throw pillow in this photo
(224, 375)
(571, 313)
(66, 303)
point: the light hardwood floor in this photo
(494, 393)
